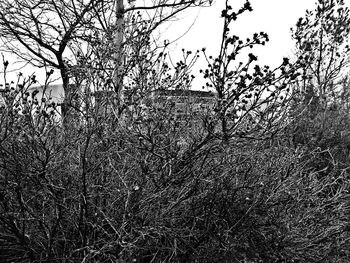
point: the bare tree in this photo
(323, 48)
(50, 33)
(250, 97)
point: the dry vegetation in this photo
(262, 177)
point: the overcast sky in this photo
(274, 17)
(202, 27)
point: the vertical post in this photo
(119, 61)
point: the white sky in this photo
(275, 17)
(199, 28)
(203, 27)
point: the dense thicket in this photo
(262, 176)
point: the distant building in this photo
(182, 103)
(54, 92)
(185, 100)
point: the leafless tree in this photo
(55, 33)
(322, 42)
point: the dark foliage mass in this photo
(114, 173)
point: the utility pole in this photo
(119, 56)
